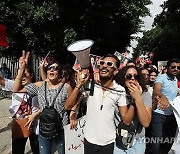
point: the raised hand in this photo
(23, 60)
(41, 63)
(135, 90)
(82, 77)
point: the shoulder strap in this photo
(54, 100)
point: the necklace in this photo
(104, 94)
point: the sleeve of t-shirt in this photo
(122, 101)
(159, 79)
(147, 99)
(32, 89)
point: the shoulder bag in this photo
(18, 129)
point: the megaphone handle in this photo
(92, 88)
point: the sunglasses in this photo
(130, 76)
(53, 68)
(108, 63)
(173, 67)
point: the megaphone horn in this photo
(81, 50)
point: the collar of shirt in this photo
(170, 78)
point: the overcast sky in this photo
(154, 10)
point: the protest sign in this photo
(127, 54)
(94, 59)
(145, 57)
(123, 59)
(74, 139)
(161, 65)
(176, 109)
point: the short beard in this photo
(106, 78)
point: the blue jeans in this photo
(138, 148)
(45, 145)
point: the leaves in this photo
(43, 26)
(164, 39)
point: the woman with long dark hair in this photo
(139, 108)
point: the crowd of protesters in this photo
(136, 96)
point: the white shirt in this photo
(8, 85)
(100, 127)
(16, 103)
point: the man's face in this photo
(173, 69)
(145, 75)
(107, 67)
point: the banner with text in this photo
(74, 139)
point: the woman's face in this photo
(131, 77)
(53, 72)
(152, 76)
(27, 77)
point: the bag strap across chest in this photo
(54, 100)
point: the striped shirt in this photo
(33, 90)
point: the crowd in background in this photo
(136, 95)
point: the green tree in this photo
(164, 39)
(51, 25)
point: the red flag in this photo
(3, 41)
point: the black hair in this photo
(120, 77)
(58, 63)
(131, 61)
(153, 70)
(115, 57)
(4, 64)
(174, 60)
(144, 68)
(68, 73)
(29, 70)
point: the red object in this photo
(3, 41)
(178, 84)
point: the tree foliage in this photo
(51, 25)
(164, 38)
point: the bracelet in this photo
(72, 110)
(77, 87)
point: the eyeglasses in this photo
(53, 68)
(173, 67)
(130, 76)
(108, 63)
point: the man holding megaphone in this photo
(100, 130)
